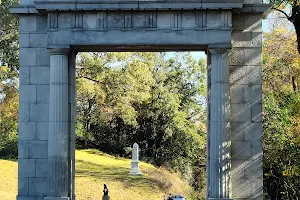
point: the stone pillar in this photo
(58, 138)
(218, 136)
(135, 170)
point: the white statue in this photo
(135, 170)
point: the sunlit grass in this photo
(93, 169)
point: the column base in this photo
(57, 198)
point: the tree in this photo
(281, 110)
(293, 17)
(9, 44)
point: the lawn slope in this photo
(93, 169)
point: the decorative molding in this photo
(176, 19)
(151, 20)
(201, 19)
(128, 20)
(52, 20)
(77, 21)
(102, 20)
(226, 19)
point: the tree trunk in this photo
(295, 19)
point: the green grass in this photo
(93, 169)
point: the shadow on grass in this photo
(116, 173)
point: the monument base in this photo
(135, 168)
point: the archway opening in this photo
(156, 99)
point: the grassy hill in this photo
(93, 169)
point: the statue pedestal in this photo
(105, 198)
(135, 170)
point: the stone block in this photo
(24, 75)
(255, 94)
(240, 112)
(246, 39)
(27, 23)
(245, 75)
(27, 93)
(39, 112)
(24, 39)
(257, 188)
(38, 186)
(247, 23)
(213, 19)
(241, 188)
(41, 167)
(23, 186)
(256, 149)
(39, 75)
(27, 131)
(23, 112)
(238, 169)
(41, 22)
(65, 20)
(43, 57)
(256, 112)
(43, 92)
(245, 56)
(38, 149)
(42, 130)
(23, 149)
(241, 150)
(238, 93)
(254, 168)
(247, 131)
(38, 40)
(27, 57)
(26, 167)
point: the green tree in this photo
(281, 109)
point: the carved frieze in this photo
(128, 20)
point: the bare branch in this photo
(287, 16)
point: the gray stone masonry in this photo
(47, 95)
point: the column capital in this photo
(219, 48)
(59, 51)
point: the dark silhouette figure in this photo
(105, 190)
(170, 197)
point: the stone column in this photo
(58, 138)
(218, 136)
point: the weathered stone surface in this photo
(24, 112)
(38, 186)
(23, 186)
(39, 112)
(39, 75)
(41, 166)
(240, 112)
(24, 75)
(246, 131)
(27, 131)
(38, 149)
(241, 150)
(43, 92)
(38, 40)
(27, 57)
(26, 167)
(27, 93)
(42, 129)
(27, 23)
(23, 149)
